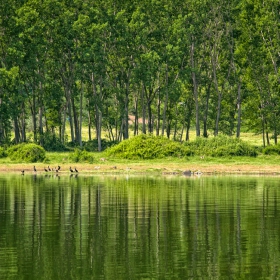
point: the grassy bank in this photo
(148, 154)
(264, 164)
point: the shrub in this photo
(272, 150)
(3, 152)
(26, 152)
(148, 147)
(92, 146)
(81, 156)
(52, 143)
(220, 146)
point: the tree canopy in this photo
(125, 67)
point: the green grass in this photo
(102, 162)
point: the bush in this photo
(52, 143)
(148, 147)
(81, 156)
(220, 146)
(26, 153)
(3, 152)
(92, 146)
(272, 150)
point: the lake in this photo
(139, 227)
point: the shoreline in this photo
(147, 168)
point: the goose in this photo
(71, 170)
(76, 170)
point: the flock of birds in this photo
(56, 170)
(186, 172)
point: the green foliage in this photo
(52, 75)
(52, 143)
(26, 153)
(3, 152)
(148, 147)
(81, 156)
(221, 146)
(272, 150)
(92, 146)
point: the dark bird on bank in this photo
(46, 169)
(76, 170)
(71, 170)
(22, 172)
(187, 173)
(34, 168)
(58, 168)
(49, 168)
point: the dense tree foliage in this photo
(151, 67)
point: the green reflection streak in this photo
(91, 227)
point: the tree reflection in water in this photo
(91, 227)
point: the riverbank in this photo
(169, 166)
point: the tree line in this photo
(211, 65)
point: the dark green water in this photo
(90, 227)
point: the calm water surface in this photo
(90, 227)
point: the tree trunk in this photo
(150, 117)
(205, 117)
(143, 111)
(158, 114)
(41, 112)
(195, 91)
(182, 132)
(23, 126)
(98, 130)
(176, 123)
(238, 128)
(89, 123)
(263, 131)
(136, 116)
(34, 119)
(41, 124)
(16, 130)
(188, 130)
(68, 98)
(81, 115)
(168, 128)
(62, 137)
(98, 114)
(165, 103)
(111, 134)
(219, 98)
(267, 138)
(75, 121)
(126, 104)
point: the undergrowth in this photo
(26, 152)
(81, 156)
(148, 147)
(221, 146)
(3, 152)
(152, 147)
(272, 150)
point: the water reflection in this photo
(86, 227)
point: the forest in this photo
(123, 68)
